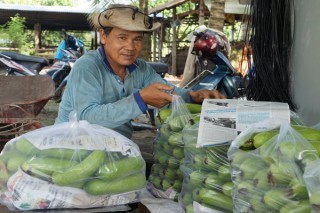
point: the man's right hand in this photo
(157, 95)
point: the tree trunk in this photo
(146, 51)
(217, 15)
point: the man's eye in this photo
(138, 39)
(122, 38)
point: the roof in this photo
(50, 17)
(231, 6)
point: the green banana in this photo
(177, 185)
(81, 171)
(173, 162)
(119, 168)
(177, 123)
(186, 198)
(227, 188)
(196, 178)
(26, 147)
(308, 133)
(164, 114)
(170, 173)
(298, 189)
(224, 172)
(276, 198)
(261, 180)
(281, 174)
(189, 208)
(178, 152)
(315, 200)
(301, 206)
(262, 137)
(175, 139)
(212, 181)
(194, 108)
(126, 184)
(46, 165)
(216, 199)
(166, 184)
(156, 181)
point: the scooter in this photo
(221, 75)
(14, 63)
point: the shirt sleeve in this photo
(59, 55)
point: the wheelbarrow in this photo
(22, 99)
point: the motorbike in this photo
(13, 63)
(214, 70)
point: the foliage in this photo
(13, 33)
(41, 2)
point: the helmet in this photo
(206, 43)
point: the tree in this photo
(217, 15)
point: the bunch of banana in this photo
(206, 174)
(95, 171)
(269, 178)
(256, 140)
(169, 147)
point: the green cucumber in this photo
(121, 168)
(65, 154)
(217, 199)
(46, 165)
(81, 171)
(26, 147)
(126, 184)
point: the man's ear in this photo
(102, 36)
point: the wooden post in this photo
(174, 45)
(201, 12)
(37, 36)
(154, 42)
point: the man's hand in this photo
(157, 95)
(200, 95)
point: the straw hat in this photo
(126, 17)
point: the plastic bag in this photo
(165, 179)
(206, 176)
(269, 176)
(71, 165)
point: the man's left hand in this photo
(200, 95)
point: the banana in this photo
(276, 198)
(126, 184)
(262, 137)
(120, 168)
(178, 153)
(194, 108)
(298, 189)
(81, 171)
(216, 199)
(227, 188)
(164, 114)
(175, 139)
(212, 181)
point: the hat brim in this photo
(99, 21)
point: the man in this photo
(111, 86)
(70, 42)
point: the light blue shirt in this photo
(99, 96)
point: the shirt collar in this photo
(131, 67)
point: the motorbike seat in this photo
(160, 68)
(31, 62)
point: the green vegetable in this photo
(120, 168)
(81, 171)
(121, 185)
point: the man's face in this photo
(122, 47)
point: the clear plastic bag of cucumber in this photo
(70, 165)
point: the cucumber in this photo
(14, 163)
(26, 147)
(46, 165)
(126, 184)
(81, 171)
(121, 168)
(64, 154)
